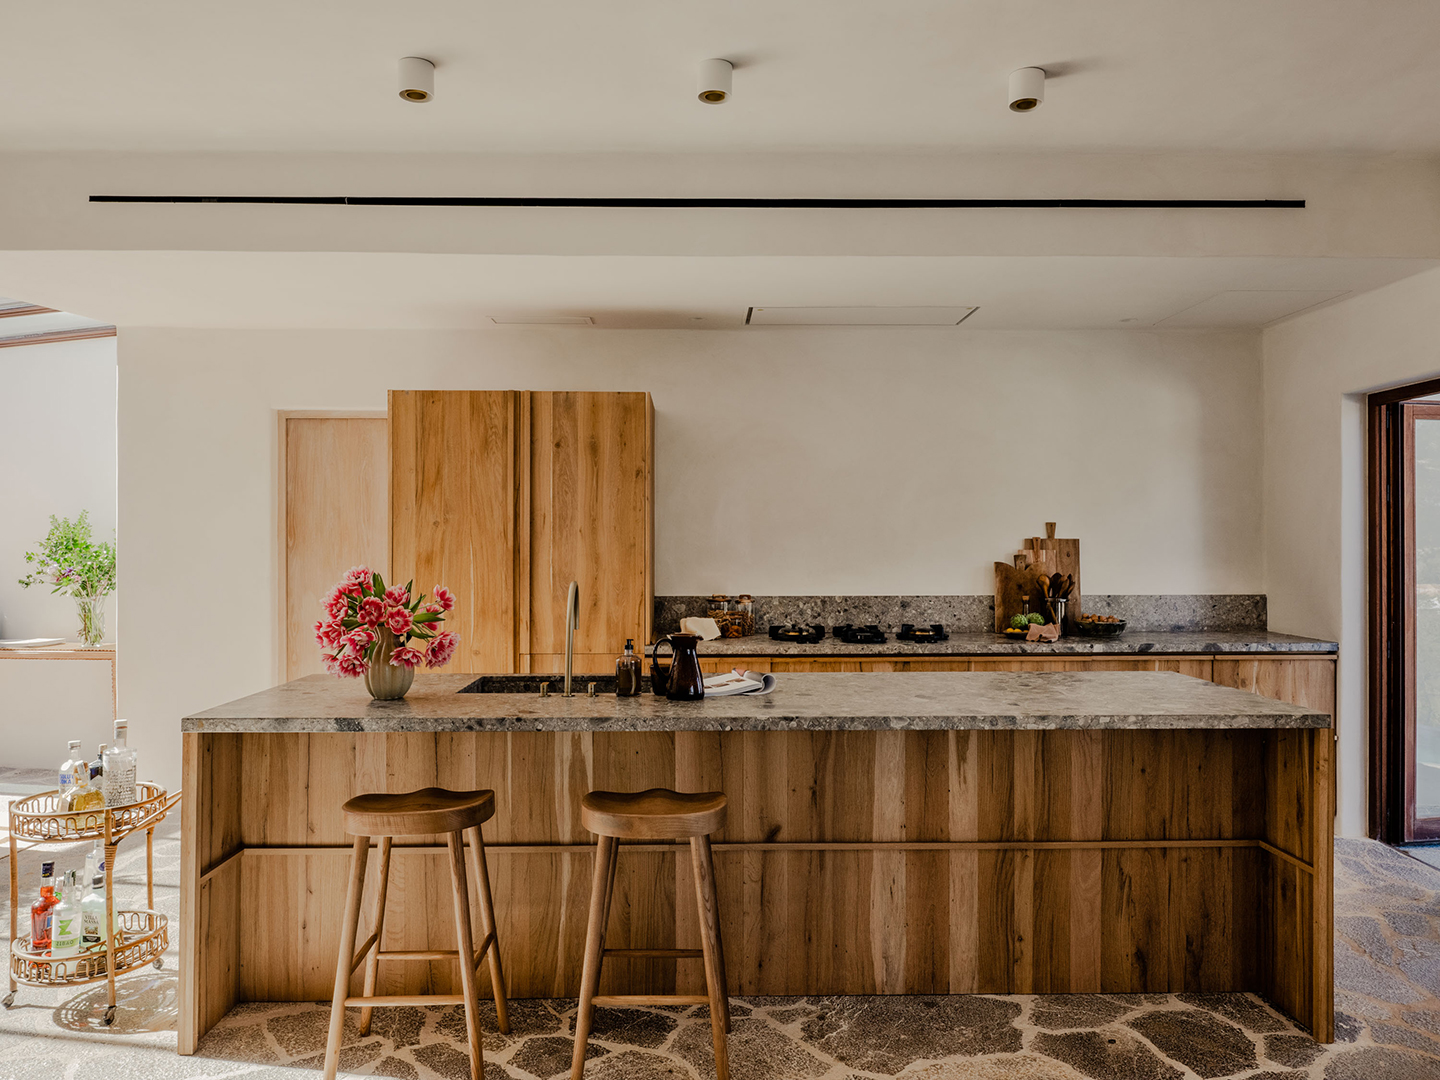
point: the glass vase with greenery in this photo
(71, 562)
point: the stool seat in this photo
(429, 810)
(657, 814)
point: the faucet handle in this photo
(544, 689)
(590, 690)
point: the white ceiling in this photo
(362, 290)
(566, 75)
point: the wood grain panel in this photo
(337, 515)
(590, 484)
(1139, 915)
(454, 479)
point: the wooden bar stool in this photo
(657, 814)
(431, 810)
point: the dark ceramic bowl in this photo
(1099, 629)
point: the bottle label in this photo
(65, 934)
(120, 783)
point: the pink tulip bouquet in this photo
(368, 627)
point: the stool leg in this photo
(466, 944)
(715, 929)
(605, 918)
(488, 926)
(594, 949)
(358, 856)
(710, 945)
(372, 962)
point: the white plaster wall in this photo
(59, 447)
(792, 461)
(1318, 367)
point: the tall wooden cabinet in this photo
(507, 496)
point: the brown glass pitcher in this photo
(681, 680)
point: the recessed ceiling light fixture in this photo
(417, 79)
(715, 78)
(541, 319)
(1027, 89)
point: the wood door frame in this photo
(279, 547)
(1390, 498)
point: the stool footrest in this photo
(669, 954)
(620, 1001)
(404, 999)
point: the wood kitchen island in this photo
(925, 832)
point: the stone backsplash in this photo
(966, 614)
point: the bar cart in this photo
(133, 938)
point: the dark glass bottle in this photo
(627, 672)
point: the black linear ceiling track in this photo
(736, 204)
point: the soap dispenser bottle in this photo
(627, 672)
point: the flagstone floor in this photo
(1388, 994)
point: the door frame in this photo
(1391, 487)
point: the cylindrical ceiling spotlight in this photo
(1027, 89)
(715, 81)
(417, 79)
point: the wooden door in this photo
(590, 492)
(335, 517)
(454, 492)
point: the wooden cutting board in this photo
(1051, 555)
(1014, 587)
(1038, 555)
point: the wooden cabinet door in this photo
(589, 489)
(454, 485)
(1307, 682)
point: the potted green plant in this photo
(70, 561)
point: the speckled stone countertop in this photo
(1161, 643)
(821, 702)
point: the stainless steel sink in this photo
(530, 684)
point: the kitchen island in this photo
(965, 832)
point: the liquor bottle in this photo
(119, 769)
(65, 920)
(82, 794)
(40, 909)
(97, 767)
(69, 770)
(92, 904)
(627, 672)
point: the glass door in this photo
(1421, 568)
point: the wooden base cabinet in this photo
(852, 862)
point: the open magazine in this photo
(739, 681)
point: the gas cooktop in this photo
(859, 635)
(911, 632)
(802, 634)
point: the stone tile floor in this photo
(1387, 971)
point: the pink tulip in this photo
(329, 634)
(432, 608)
(360, 639)
(397, 596)
(350, 665)
(399, 620)
(444, 597)
(442, 647)
(372, 611)
(406, 656)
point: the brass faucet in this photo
(572, 623)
